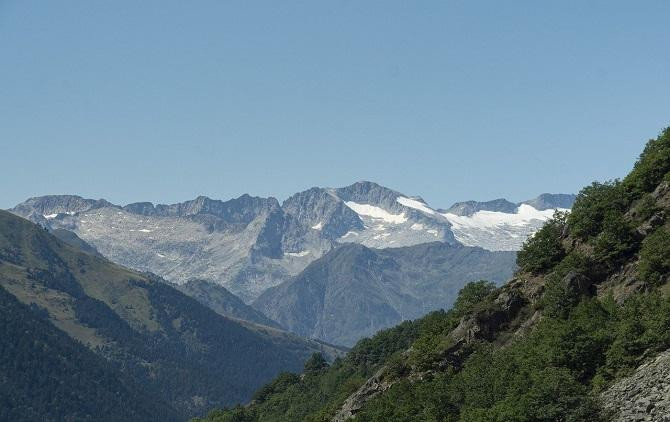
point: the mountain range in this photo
(250, 244)
(331, 264)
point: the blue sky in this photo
(162, 101)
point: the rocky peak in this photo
(368, 193)
(51, 205)
(552, 200)
(319, 209)
(468, 208)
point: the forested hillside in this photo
(588, 305)
(174, 349)
(47, 376)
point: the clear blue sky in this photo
(162, 101)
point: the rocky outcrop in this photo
(549, 200)
(642, 396)
(482, 325)
(372, 387)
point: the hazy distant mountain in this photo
(354, 291)
(223, 302)
(249, 244)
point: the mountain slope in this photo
(166, 342)
(223, 302)
(572, 337)
(48, 376)
(354, 291)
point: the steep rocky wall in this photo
(642, 396)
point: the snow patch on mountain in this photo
(496, 230)
(297, 254)
(413, 203)
(376, 213)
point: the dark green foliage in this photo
(642, 324)
(645, 208)
(471, 295)
(543, 250)
(315, 363)
(47, 376)
(370, 352)
(651, 168)
(548, 376)
(279, 384)
(615, 241)
(397, 366)
(654, 265)
(431, 342)
(559, 299)
(599, 213)
(236, 414)
(593, 204)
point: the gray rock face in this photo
(552, 201)
(249, 244)
(643, 396)
(354, 291)
(57, 204)
(321, 208)
(470, 207)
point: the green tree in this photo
(543, 250)
(472, 294)
(315, 363)
(654, 264)
(651, 167)
(592, 205)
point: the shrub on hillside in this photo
(543, 250)
(654, 264)
(593, 204)
(651, 168)
(614, 242)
